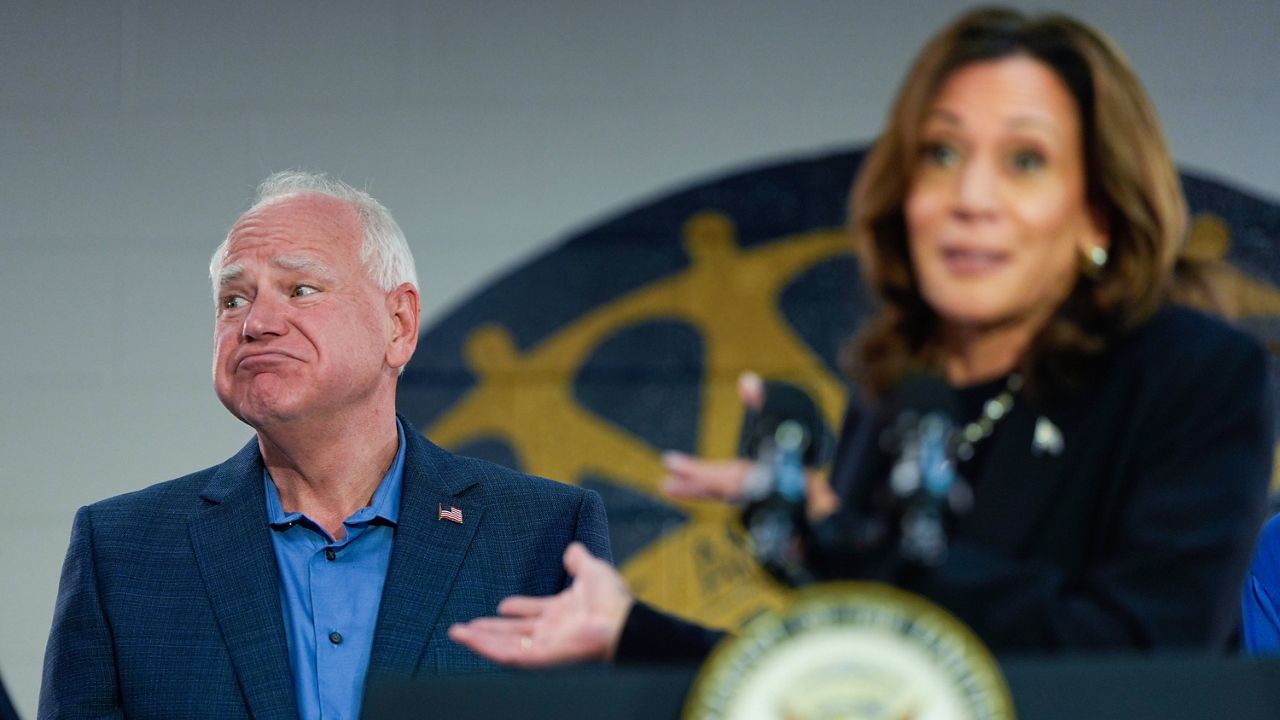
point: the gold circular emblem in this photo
(851, 651)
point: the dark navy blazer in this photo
(1138, 532)
(169, 604)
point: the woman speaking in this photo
(1019, 219)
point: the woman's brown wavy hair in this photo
(1131, 184)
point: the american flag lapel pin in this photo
(450, 513)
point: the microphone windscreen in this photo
(782, 402)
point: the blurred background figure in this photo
(1041, 442)
(1260, 602)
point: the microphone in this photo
(782, 437)
(782, 401)
(927, 491)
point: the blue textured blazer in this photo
(169, 604)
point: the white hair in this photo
(383, 249)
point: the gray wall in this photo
(132, 132)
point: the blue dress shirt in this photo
(330, 592)
(1260, 606)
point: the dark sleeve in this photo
(79, 663)
(1191, 500)
(6, 707)
(650, 636)
(592, 528)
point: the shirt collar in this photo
(384, 506)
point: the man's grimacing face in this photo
(301, 328)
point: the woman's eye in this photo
(940, 154)
(303, 290)
(1026, 160)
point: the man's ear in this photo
(403, 309)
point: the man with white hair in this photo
(338, 543)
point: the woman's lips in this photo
(973, 261)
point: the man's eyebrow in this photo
(229, 274)
(303, 264)
(293, 263)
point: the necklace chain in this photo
(992, 411)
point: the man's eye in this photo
(1026, 161)
(940, 154)
(303, 290)
(231, 302)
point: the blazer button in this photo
(335, 638)
(330, 555)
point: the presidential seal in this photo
(852, 650)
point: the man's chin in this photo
(261, 415)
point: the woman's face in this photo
(996, 211)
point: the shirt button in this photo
(335, 638)
(330, 555)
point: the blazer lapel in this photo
(232, 547)
(427, 554)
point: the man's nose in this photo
(268, 315)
